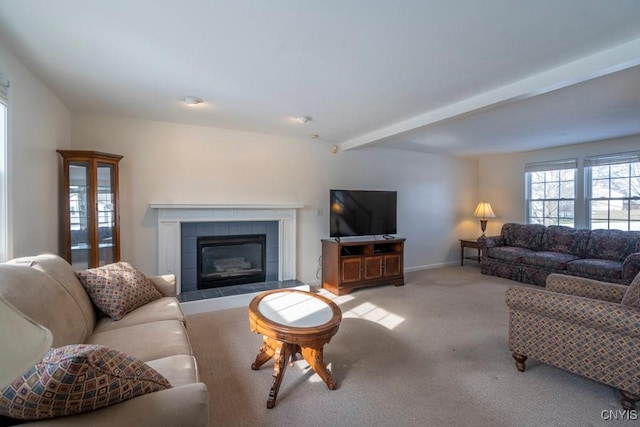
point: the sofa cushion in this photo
(147, 341)
(44, 300)
(165, 308)
(614, 245)
(632, 296)
(566, 240)
(179, 370)
(527, 236)
(78, 378)
(116, 289)
(508, 253)
(61, 271)
(600, 268)
(552, 260)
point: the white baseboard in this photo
(223, 303)
(431, 266)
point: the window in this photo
(613, 191)
(4, 85)
(551, 192)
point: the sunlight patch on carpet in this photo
(337, 299)
(366, 311)
(375, 314)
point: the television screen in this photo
(362, 213)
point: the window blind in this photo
(612, 159)
(552, 165)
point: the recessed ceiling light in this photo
(192, 100)
(303, 119)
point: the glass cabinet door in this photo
(105, 208)
(79, 214)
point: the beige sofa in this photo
(46, 289)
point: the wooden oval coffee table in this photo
(292, 322)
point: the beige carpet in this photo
(431, 353)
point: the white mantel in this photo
(172, 215)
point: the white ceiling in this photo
(455, 77)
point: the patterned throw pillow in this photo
(78, 378)
(116, 289)
(632, 296)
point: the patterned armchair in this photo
(584, 326)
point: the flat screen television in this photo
(362, 213)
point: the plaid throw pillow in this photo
(78, 378)
(632, 296)
(116, 289)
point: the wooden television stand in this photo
(351, 264)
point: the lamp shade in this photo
(24, 342)
(483, 210)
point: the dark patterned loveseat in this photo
(528, 253)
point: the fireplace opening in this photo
(230, 260)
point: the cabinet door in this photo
(372, 267)
(351, 268)
(106, 214)
(79, 215)
(392, 265)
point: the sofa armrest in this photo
(486, 242)
(596, 314)
(490, 241)
(187, 405)
(166, 284)
(583, 287)
(631, 266)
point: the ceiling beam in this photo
(605, 62)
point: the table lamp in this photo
(24, 343)
(484, 211)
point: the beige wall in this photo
(38, 124)
(165, 162)
(501, 177)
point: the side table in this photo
(291, 322)
(469, 243)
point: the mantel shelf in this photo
(225, 206)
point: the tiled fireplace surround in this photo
(190, 231)
(177, 223)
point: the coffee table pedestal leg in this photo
(266, 352)
(281, 358)
(283, 353)
(314, 358)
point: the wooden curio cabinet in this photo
(90, 209)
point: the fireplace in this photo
(172, 217)
(231, 260)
